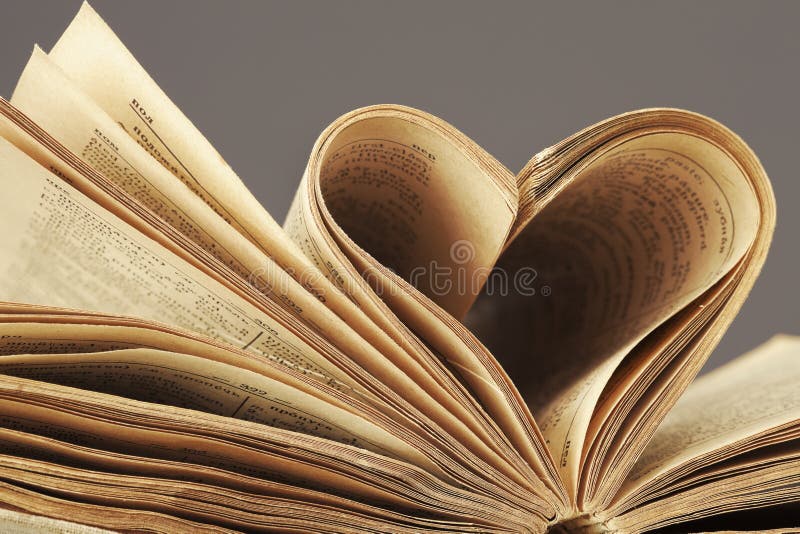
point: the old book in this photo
(428, 343)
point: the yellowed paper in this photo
(97, 61)
(642, 231)
(746, 397)
(177, 379)
(84, 257)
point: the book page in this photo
(11, 521)
(132, 275)
(142, 168)
(763, 498)
(427, 412)
(389, 182)
(50, 331)
(747, 397)
(417, 204)
(251, 489)
(643, 229)
(210, 506)
(131, 427)
(84, 257)
(193, 448)
(47, 96)
(44, 514)
(175, 379)
(96, 60)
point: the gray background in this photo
(262, 79)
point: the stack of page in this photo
(428, 343)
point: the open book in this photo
(428, 343)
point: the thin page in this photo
(764, 497)
(48, 331)
(87, 53)
(82, 256)
(133, 427)
(414, 410)
(32, 446)
(643, 228)
(175, 379)
(407, 216)
(100, 64)
(43, 514)
(13, 521)
(147, 440)
(47, 96)
(205, 504)
(747, 397)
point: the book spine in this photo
(582, 524)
